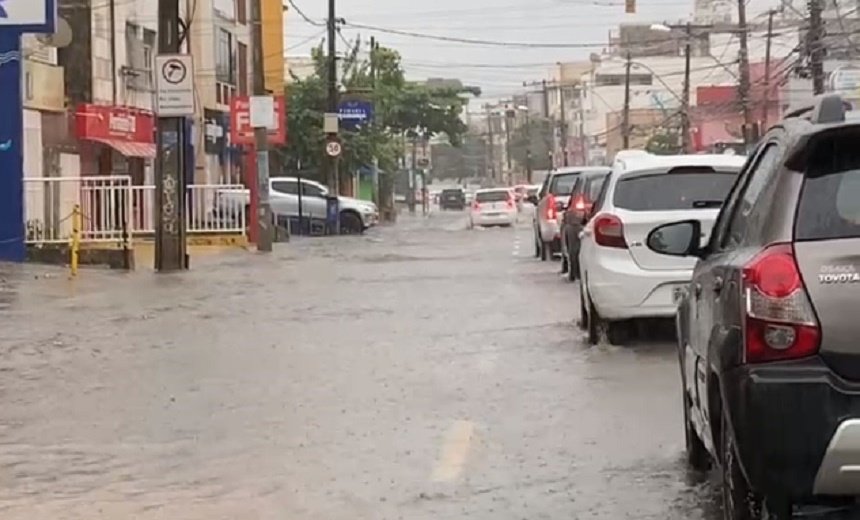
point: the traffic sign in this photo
(174, 85)
(354, 114)
(333, 148)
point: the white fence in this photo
(114, 210)
(104, 203)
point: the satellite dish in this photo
(61, 37)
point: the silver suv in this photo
(768, 331)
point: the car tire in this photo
(593, 323)
(583, 313)
(739, 501)
(350, 224)
(698, 458)
(618, 332)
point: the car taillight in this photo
(476, 206)
(550, 207)
(780, 322)
(609, 231)
(579, 203)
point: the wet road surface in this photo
(423, 371)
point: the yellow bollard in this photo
(76, 239)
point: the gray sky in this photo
(500, 71)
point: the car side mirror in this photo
(677, 239)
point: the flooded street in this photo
(423, 371)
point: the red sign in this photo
(241, 131)
(115, 123)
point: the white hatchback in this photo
(493, 207)
(622, 279)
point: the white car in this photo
(493, 207)
(355, 215)
(622, 279)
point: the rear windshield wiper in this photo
(702, 204)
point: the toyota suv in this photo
(768, 330)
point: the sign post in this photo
(17, 17)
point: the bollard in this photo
(75, 240)
(333, 215)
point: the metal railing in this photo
(208, 212)
(49, 203)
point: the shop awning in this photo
(129, 148)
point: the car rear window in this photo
(448, 193)
(492, 196)
(562, 184)
(829, 206)
(672, 191)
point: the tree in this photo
(534, 137)
(401, 108)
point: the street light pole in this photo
(263, 219)
(331, 101)
(625, 115)
(685, 122)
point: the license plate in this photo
(678, 292)
(491, 214)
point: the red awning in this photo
(129, 148)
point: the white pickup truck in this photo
(356, 215)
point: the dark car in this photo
(768, 330)
(582, 198)
(452, 199)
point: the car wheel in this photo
(618, 332)
(698, 458)
(593, 323)
(350, 224)
(739, 501)
(583, 313)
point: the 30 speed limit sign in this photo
(333, 148)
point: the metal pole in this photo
(491, 138)
(685, 122)
(545, 93)
(263, 219)
(331, 80)
(625, 115)
(508, 158)
(412, 169)
(170, 254)
(766, 100)
(744, 83)
(816, 46)
(562, 128)
(528, 148)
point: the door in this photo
(283, 197)
(313, 199)
(715, 288)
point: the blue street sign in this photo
(355, 114)
(18, 17)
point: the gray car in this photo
(768, 330)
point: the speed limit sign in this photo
(333, 148)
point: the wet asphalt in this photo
(422, 371)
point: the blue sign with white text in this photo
(355, 114)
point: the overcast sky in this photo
(499, 71)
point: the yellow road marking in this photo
(454, 451)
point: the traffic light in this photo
(630, 6)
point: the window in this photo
(830, 199)
(225, 68)
(241, 12)
(672, 191)
(139, 45)
(312, 190)
(285, 187)
(493, 196)
(595, 184)
(563, 184)
(242, 68)
(756, 181)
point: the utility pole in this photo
(412, 171)
(375, 187)
(170, 254)
(545, 93)
(744, 78)
(263, 219)
(509, 116)
(766, 101)
(815, 45)
(331, 80)
(562, 126)
(528, 147)
(625, 115)
(492, 143)
(685, 122)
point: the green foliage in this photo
(401, 107)
(664, 143)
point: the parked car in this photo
(622, 280)
(768, 330)
(574, 217)
(356, 215)
(493, 207)
(551, 200)
(453, 198)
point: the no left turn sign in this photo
(333, 148)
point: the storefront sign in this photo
(100, 122)
(241, 131)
